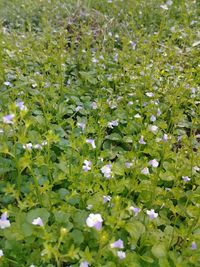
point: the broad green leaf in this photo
(159, 250)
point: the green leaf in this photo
(166, 176)
(27, 229)
(114, 137)
(163, 262)
(159, 250)
(77, 236)
(135, 229)
(61, 217)
(147, 259)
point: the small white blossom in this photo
(28, 146)
(159, 112)
(8, 119)
(7, 83)
(78, 108)
(145, 171)
(137, 116)
(154, 163)
(186, 179)
(1, 253)
(111, 124)
(84, 264)
(87, 165)
(141, 141)
(91, 142)
(153, 118)
(38, 221)
(133, 44)
(194, 246)
(94, 60)
(128, 165)
(94, 105)
(4, 222)
(135, 210)
(121, 254)
(165, 7)
(21, 105)
(149, 94)
(153, 128)
(165, 137)
(44, 143)
(106, 199)
(196, 168)
(117, 244)
(89, 207)
(94, 220)
(81, 125)
(152, 214)
(106, 170)
(169, 2)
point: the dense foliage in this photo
(99, 133)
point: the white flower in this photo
(4, 222)
(153, 128)
(38, 221)
(7, 83)
(141, 141)
(149, 94)
(106, 170)
(135, 210)
(112, 123)
(94, 220)
(169, 2)
(8, 119)
(84, 264)
(165, 137)
(196, 169)
(133, 44)
(21, 105)
(94, 105)
(159, 112)
(117, 244)
(78, 108)
(137, 116)
(153, 118)
(121, 254)
(94, 60)
(32, 265)
(145, 171)
(89, 207)
(44, 143)
(106, 199)
(152, 214)
(154, 163)
(81, 125)
(1, 253)
(186, 179)
(128, 165)
(165, 7)
(115, 57)
(194, 245)
(87, 165)
(91, 142)
(28, 146)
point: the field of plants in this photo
(99, 133)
